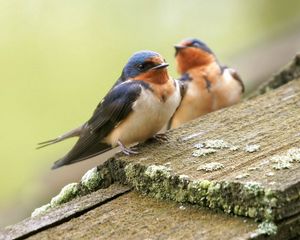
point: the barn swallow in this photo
(210, 85)
(134, 110)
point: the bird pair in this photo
(145, 99)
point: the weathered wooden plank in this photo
(63, 213)
(133, 216)
(247, 183)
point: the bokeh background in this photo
(58, 58)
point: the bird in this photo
(136, 108)
(209, 85)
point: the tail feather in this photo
(64, 161)
(73, 133)
(86, 147)
(49, 142)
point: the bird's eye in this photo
(141, 66)
(144, 66)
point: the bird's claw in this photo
(127, 151)
(161, 137)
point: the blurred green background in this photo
(58, 58)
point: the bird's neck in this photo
(187, 61)
(163, 90)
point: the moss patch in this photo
(203, 152)
(268, 228)
(67, 193)
(294, 154)
(216, 144)
(213, 145)
(209, 167)
(286, 160)
(92, 179)
(41, 210)
(249, 199)
(281, 162)
(252, 148)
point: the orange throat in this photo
(159, 76)
(190, 58)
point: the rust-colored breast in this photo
(189, 58)
(163, 91)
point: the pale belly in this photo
(148, 117)
(194, 104)
(228, 92)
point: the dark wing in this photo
(185, 77)
(235, 75)
(115, 107)
(183, 88)
(183, 83)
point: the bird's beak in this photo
(162, 65)
(178, 48)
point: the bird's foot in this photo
(161, 137)
(127, 151)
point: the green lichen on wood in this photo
(41, 210)
(294, 154)
(211, 146)
(154, 171)
(203, 152)
(286, 160)
(266, 228)
(216, 144)
(252, 148)
(67, 193)
(281, 162)
(209, 167)
(92, 179)
(249, 199)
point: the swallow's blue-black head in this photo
(142, 62)
(192, 43)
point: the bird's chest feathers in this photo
(163, 91)
(155, 103)
(206, 75)
(149, 115)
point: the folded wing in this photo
(114, 108)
